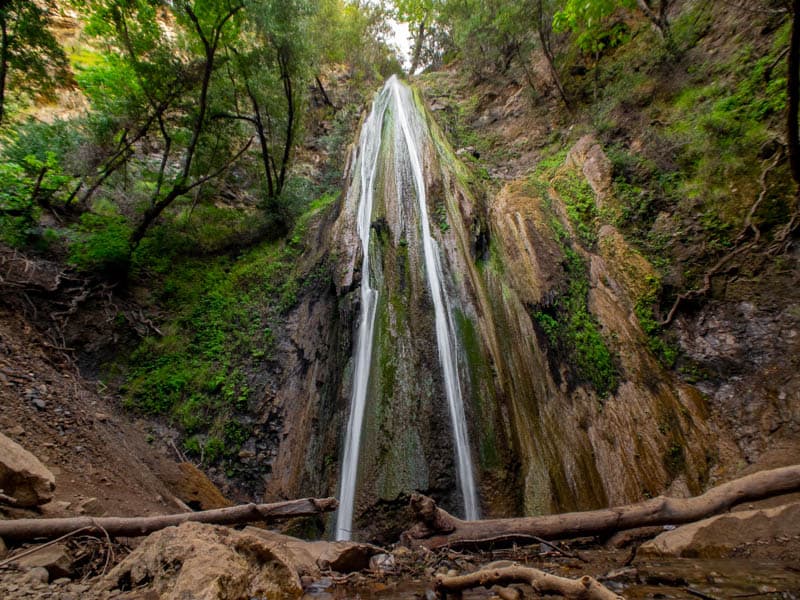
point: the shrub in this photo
(100, 243)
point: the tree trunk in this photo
(325, 97)
(3, 63)
(419, 39)
(547, 49)
(660, 19)
(793, 89)
(29, 529)
(283, 62)
(436, 528)
(585, 588)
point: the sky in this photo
(402, 41)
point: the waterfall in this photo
(397, 98)
(369, 146)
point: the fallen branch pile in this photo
(436, 528)
(29, 529)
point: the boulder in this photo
(56, 559)
(211, 562)
(311, 558)
(204, 562)
(23, 476)
(722, 535)
(587, 155)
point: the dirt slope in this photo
(92, 448)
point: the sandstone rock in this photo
(588, 156)
(382, 562)
(205, 562)
(56, 508)
(719, 536)
(35, 575)
(309, 558)
(92, 507)
(194, 488)
(23, 476)
(56, 559)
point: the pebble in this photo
(39, 403)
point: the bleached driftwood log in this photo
(436, 528)
(585, 588)
(29, 529)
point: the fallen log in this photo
(436, 528)
(29, 529)
(585, 588)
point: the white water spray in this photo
(402, 107)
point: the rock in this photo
(204, 562)
(17, 431)
(92, 507)
(346, 557)
(35, 575)
(23, 476)
(56, 508)
(102, 417)
(309, 557)
(720, 536)
(55, 559)
(588, 156)
(3, 548)
(193, 487)
(382, 562)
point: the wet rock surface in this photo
(740, 533)
(747, 357)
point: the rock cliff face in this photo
(543, 438)
(579, 447)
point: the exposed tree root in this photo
(28, 529)
(585, 588)
(748, 237)
(436, 528)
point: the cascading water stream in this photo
(442, 312)
(369, 145)
(402, 108)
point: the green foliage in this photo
(30, 177)
(100, 243)
(593, 24)
(223, 311)
(355, 34)
(19, 214)
(490, 34)
(573, 331)
(675, 459)
(33, 64)
(664, 351)
(566, 322)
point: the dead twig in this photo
(35, 549)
